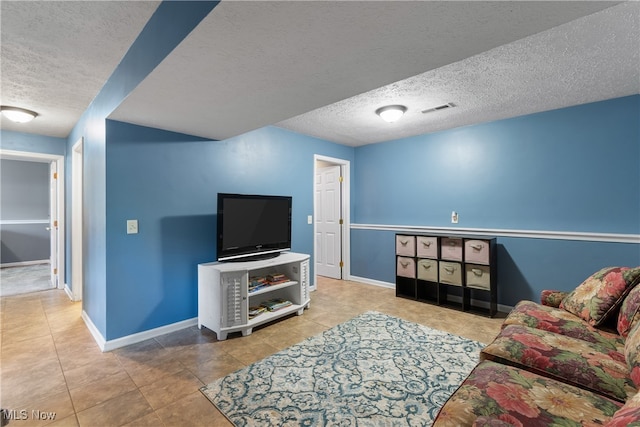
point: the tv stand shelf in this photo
(224, 298)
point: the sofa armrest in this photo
(552, 298)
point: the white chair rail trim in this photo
(530, 234)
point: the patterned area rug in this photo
(373, 370)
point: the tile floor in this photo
(50, 363)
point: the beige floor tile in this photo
(149, 420)
(32, 384)
(70, 421)
(145, 372)
(19, 356)
(170, 388)
(215, 368)
(105, 365)
(80, 353)
(187, 337)
(116, 412)
(140, 352)
(96, 392)
(194, 410)
(46, 411)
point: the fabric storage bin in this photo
(451, 248)
(478, 276)
(427, 247)
(450, 273)
(405, 245)
(428, 270)
(406, 267)
(476, 251)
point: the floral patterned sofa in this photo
(573, 360)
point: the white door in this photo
(328, 217)
(53, 222)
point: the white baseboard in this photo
(374, 282)
(94, 331)
(68, 291)
(137, 337)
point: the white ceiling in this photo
(56, 56)
(322, 68)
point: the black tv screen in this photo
(253, 226)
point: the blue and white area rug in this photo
(373, 370)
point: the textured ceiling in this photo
(323, 67)
(56, 56)
(590, 59)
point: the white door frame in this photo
(77, 223)
(59, 183)
(54, 223)
(345, 169)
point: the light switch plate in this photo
(309, 219)
(132, 226)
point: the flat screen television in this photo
(252, 226)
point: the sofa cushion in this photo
(574, 361)
(629, 312)
(552, 298)
(485, 421)
(601, 294)
(628, 415)
(533, 315)
(632, 354)
(514, 396)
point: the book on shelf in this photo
(256, 283)
(276, 278)
(256, 311)
(276, 304)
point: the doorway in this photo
(331, 207)
(55, 223)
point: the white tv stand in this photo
(224, 298)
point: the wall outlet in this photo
(454, 217)
(132, 226)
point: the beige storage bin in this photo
(406, 267)
(428, 270)
(427, 247)
(476, 251)
(405, 245)
(478, 276)
(451, 248)
(450, 273)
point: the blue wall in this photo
(18, 141)
(573, 169)
(167, 27)
(168, 182)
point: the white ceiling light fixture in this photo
(391, 113)
(17, 115)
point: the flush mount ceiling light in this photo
(18, 115)
(391, 113)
